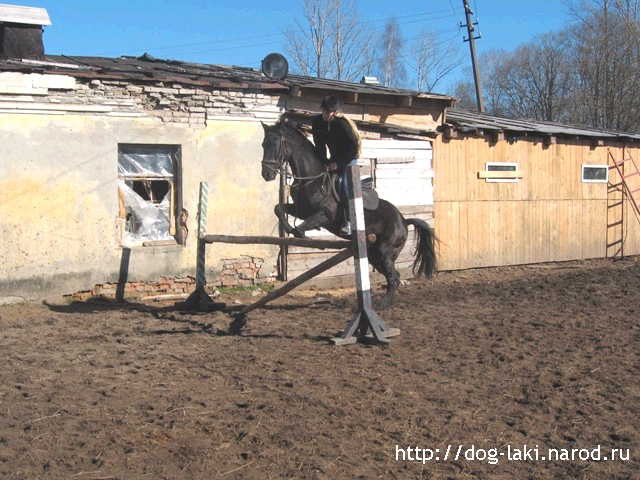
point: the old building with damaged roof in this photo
(105, 154)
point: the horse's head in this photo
(274, 152)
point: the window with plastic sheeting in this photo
(150, 199)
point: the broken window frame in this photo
(175, 189)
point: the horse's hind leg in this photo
(384, 261)
(393, 282)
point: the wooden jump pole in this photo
(300, 279)
(288, 241)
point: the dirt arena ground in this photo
(544, 357)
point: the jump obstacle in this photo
(365, 322)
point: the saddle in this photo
(370, 197)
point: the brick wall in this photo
(171, 102)
(245, 271)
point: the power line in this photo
(234, 47)
(218, 40)
(279, 35)
(439, 43)
(452, 9)
(436, 16)
(273, 39)
(273, 42)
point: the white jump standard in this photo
(365, 322)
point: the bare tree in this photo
(536, 80)
(368, 55)
(433, 60)
(607, 61)
(587, 74)
(493, 95)
(492, 92)
(329, 40)
(392, 70)
(347, 40)
(465, 95)
(308, 41)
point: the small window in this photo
(501, 172)
(595, 173)
(149, 192)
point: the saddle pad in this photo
(370, 197)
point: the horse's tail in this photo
(425, 255)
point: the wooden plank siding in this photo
(548, 215)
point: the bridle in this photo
(281, 156)
(279, 166)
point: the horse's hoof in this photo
(384, 303)
(297, 233)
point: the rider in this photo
(333, 130)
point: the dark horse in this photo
(314, 202)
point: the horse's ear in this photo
(265, 126)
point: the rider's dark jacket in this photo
(340, 136)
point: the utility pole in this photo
(472, 47)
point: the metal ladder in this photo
(631, 194)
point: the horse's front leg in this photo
(317, 220)
(281, 211)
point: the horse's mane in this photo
(287, 125)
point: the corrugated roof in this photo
(148, 68)
(305, 118)
(327, 84)
(471, 121)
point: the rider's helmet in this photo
(331, 103)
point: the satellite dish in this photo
(275, 66)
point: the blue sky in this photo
(243, 32)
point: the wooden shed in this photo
(515, 192)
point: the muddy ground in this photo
(545, 356)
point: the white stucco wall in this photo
(59, 201)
